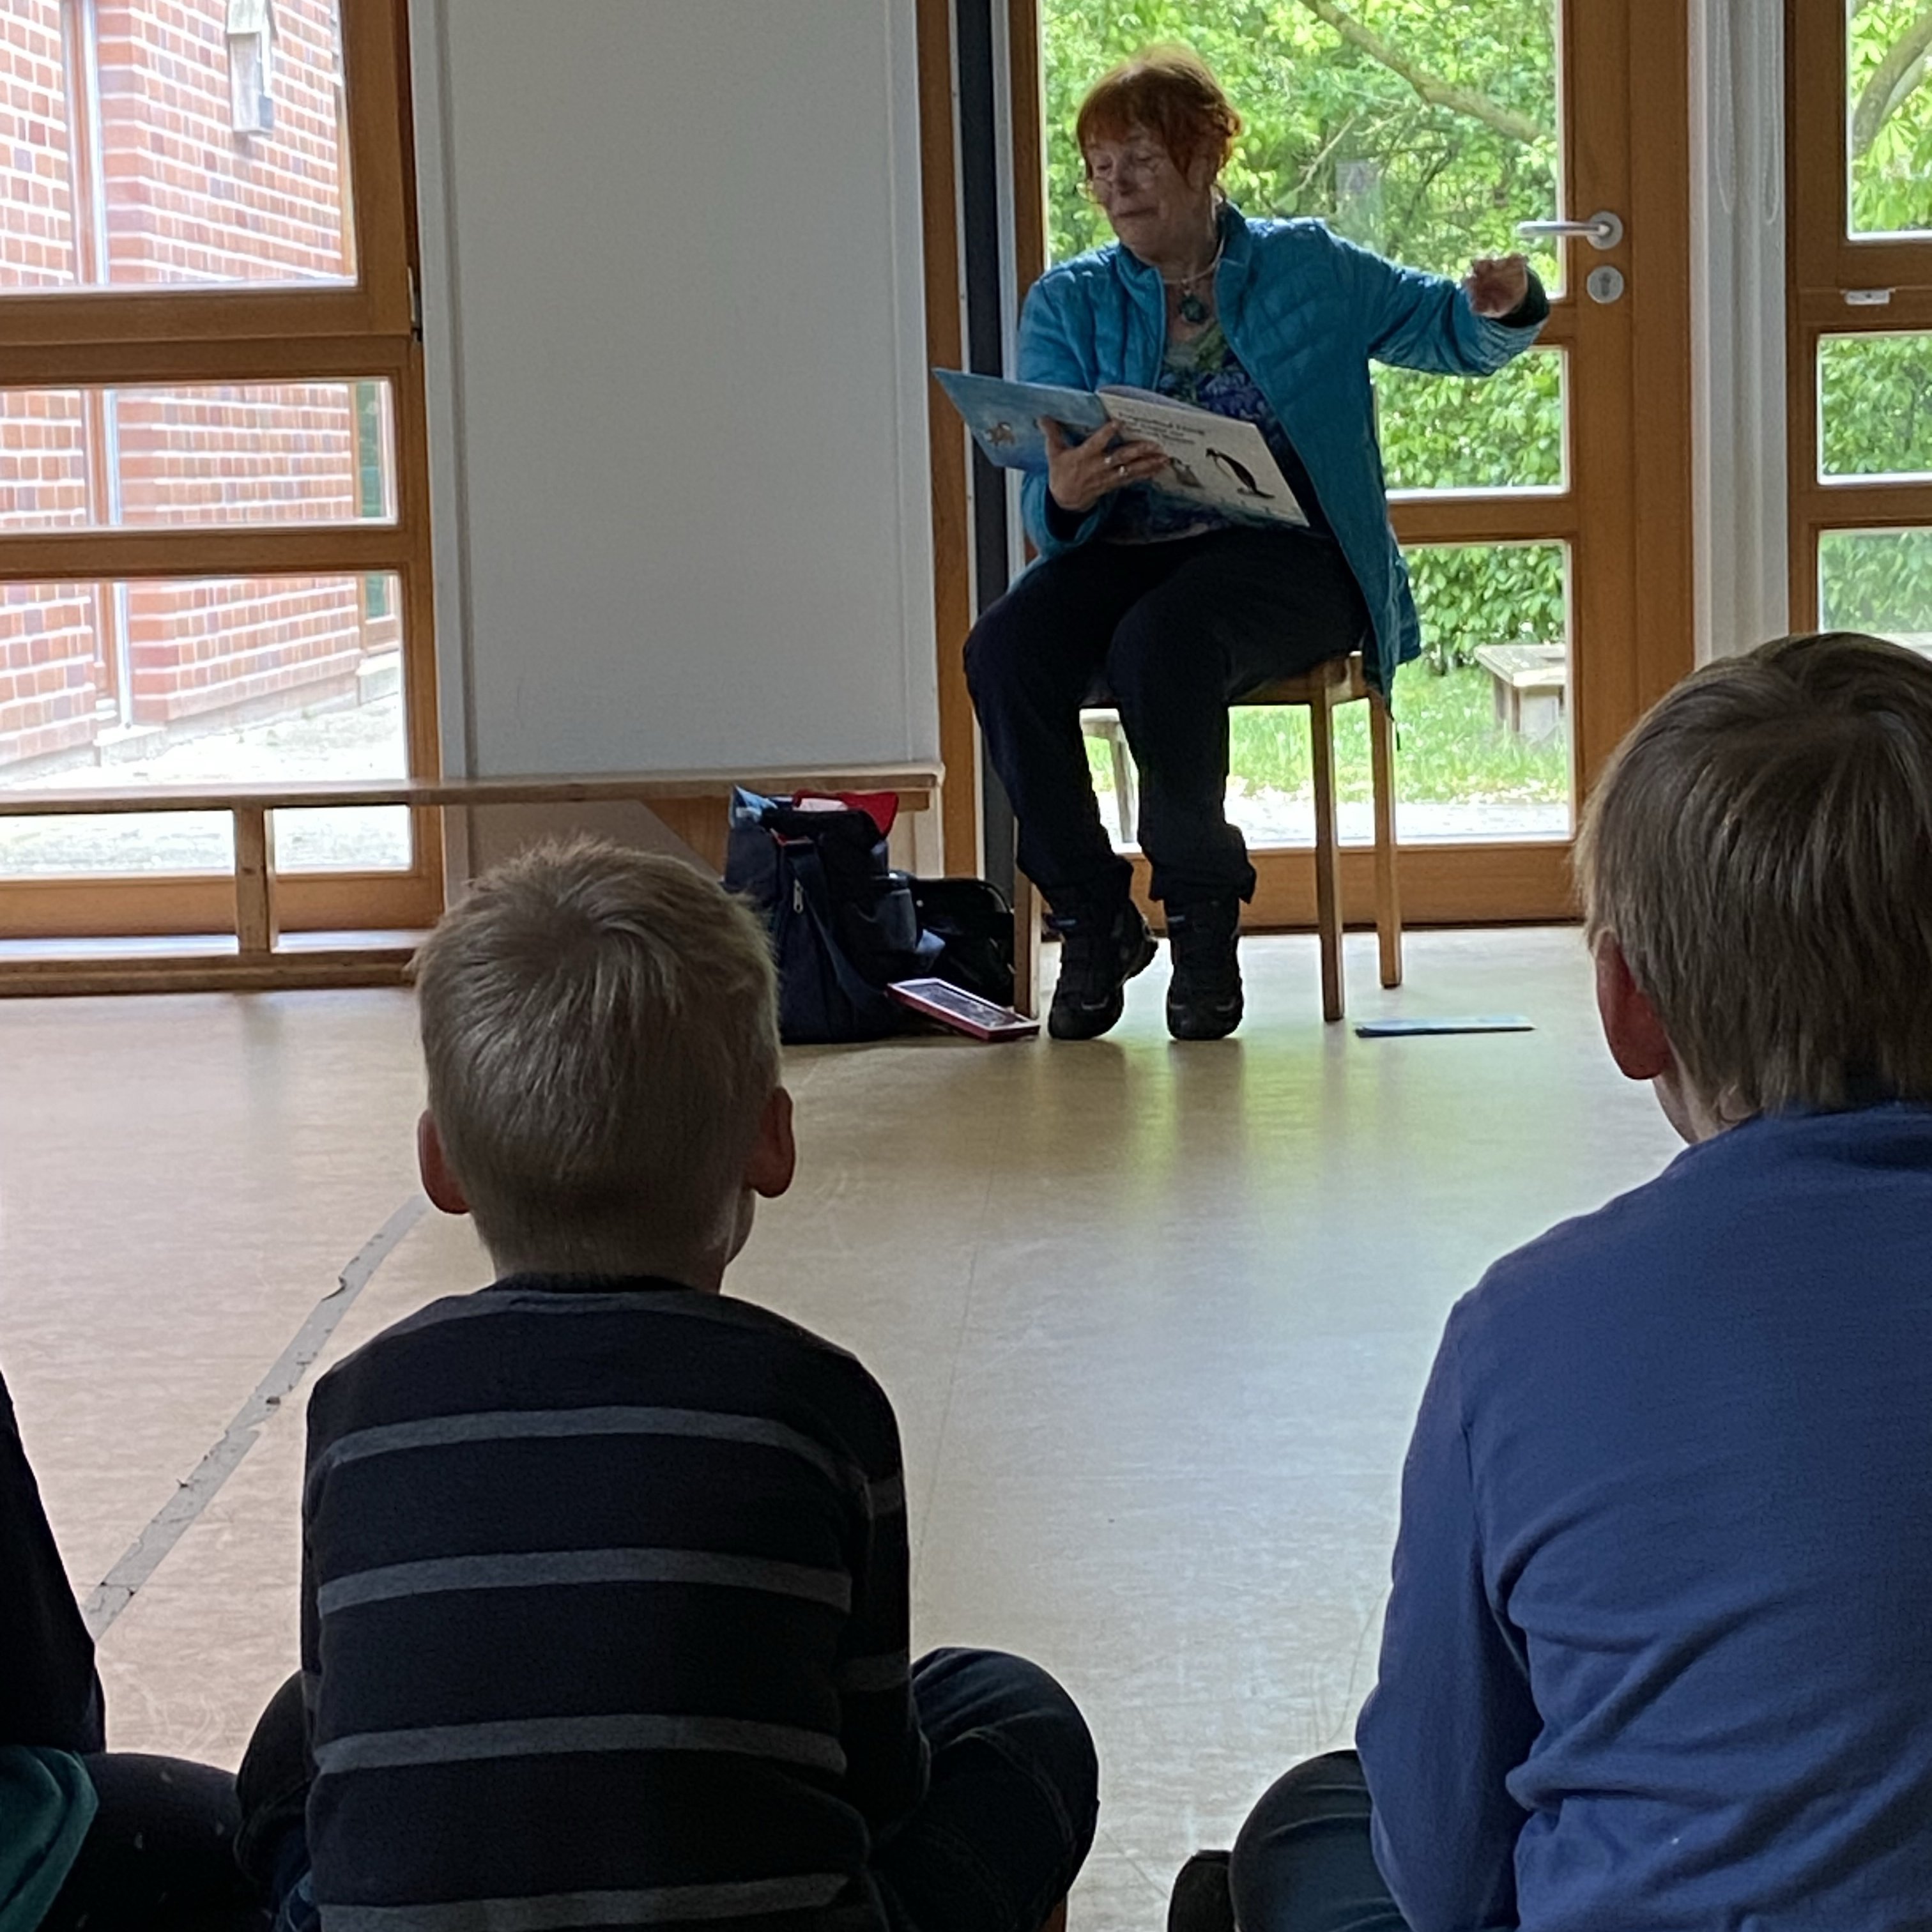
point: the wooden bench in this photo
(260, 959)
(1531, 686)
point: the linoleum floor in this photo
(1154, 1319)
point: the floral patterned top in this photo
(1206, 374)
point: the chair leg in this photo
(1126, 791)
(1388, 894)
(1327, 857)
(1026, 946)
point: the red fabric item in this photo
(882, 808)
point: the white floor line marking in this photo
(145, 1554)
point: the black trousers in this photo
(1007, 1820)
(160, 1855)
(1174, 632)
(1303, 1863)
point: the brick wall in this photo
(36, 239)
(259, 455)
(43, 460)
(187, 200)
(47, 636)
(220, 644)
(48, 632)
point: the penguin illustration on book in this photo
(1239, 474)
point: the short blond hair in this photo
(601, 1034)
(1760, 848)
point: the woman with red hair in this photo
(1174, 610)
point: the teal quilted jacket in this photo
(1306, 312)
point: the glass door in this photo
(1861, 317)
(213, 542)
(1544, 512)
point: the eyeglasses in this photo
(1109, 172)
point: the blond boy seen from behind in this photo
(605, 1591)
(1657, 1653)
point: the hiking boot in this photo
(1201, 1901)
(1203, 998)
(1101, 947)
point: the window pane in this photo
(198, 683)
(1484, 715)
(1888, 119)
(1336, 130)
(1485, 712)
(172, 141)
(1877, 580)
(124, 845)
(1506, 432)
(1875, 405)
(343, 839)
(38, 238)
(251, 454)
(1484, 718)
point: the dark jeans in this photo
(160, 1855)
(1006, 1826)
(1175, 632)
(1302, 1862)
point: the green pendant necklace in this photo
(1193, 309)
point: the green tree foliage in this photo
(1876, 390)
(1890, 115)
(1876, 394)
(1877, 580)
(1332, 129)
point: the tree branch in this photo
(1893, 82)
(1431, 87)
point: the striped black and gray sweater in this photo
(605, 1617)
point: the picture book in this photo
(1220, 462)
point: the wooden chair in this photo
(1339, 681)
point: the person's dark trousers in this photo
(159, 1855)
(272, 1845)
(1007, 1822)
(1175, 632)
(1009, 1817)
(1302, 1862)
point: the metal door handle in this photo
(1603, 230)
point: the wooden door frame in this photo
(264, 334)
(1824, 264)
(951, 501)
(1640, 159)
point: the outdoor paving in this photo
(348, 742)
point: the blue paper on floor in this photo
(1474, 1023)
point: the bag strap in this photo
(863, 996)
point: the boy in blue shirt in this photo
(605, 1599)
(1658, 1654)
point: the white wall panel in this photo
(676, 372)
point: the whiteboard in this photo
(675, 343)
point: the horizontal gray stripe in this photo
(546, 1569)
(554, 1737)
(692, 1306)
(662, 1905)
(887, 1671)
(520, 1425)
